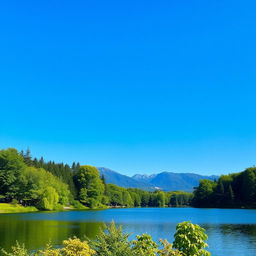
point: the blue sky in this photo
(136, 86)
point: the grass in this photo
(14, 208)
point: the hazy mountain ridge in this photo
(167, 181)
(123, 180)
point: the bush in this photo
(190, 239)
(49, 251)
(17, 250)
(168, 250)
(144, 246)
(76, 247)
(72, 247)
(112, 242)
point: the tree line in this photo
(230, 191)
(50, 185)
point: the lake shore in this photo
(16, 208)
(229, 225)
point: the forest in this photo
(236, 190)
(52, 186)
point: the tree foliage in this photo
(112, 242)
(29, 185)
(190, 239)
(233, 190)
(90, 186)
(144, 246)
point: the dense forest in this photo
(230, 191)
(50, 185)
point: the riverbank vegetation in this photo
(55, 186)
(51, 186)
(190, 240)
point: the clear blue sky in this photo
(136, 86)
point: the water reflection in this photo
(35, 234)
(233, 236)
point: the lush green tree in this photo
(29, 185)
(127, 199)
(160, 199)
(204, 193)
(11, 167)
(60, 170)
(88, 180)
(49, 199)
(115, 195)
(44, 189)
(190, 239)
(83, 197)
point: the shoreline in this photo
(7, 208)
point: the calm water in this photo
(231, 232)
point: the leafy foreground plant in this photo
(17, 250)
(72, 247)
(168, 250)
(112, 242)
(189, 241)
(144, 245)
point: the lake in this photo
(231, 231)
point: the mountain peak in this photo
(167, 181)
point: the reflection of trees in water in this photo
(232, 239)
(246, 229)
(36, 233)
(227, 229)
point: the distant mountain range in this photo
(123, 180)
(166, 181)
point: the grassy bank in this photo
(13, 208)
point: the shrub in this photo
(17, 250)
(76, 247)
(190, 239)
(112, 242)
(72, 247)
(144, 245)
(168, 250)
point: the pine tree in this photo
(27, 157)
